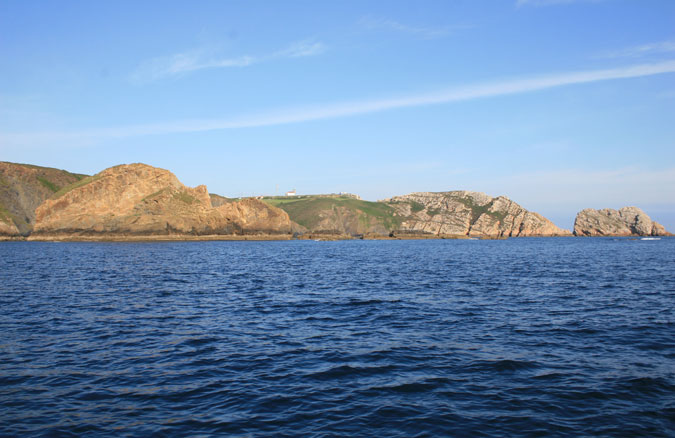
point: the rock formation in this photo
(141, 200)
(23, 188)
(469, 213)
(627, 221)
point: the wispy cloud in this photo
(182, 63)
(655, 48)
(346, 109)
(429, 32)
(520, 3)
(300, 49)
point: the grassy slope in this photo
(46, 178)
(79, 183)
(305, 210)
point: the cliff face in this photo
(138, 199)
(23, 188)
(627, 221)
(469, 213)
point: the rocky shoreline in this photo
(138, 202)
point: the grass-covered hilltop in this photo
(337, 214)
(137, 201)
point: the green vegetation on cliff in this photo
(23, 187)
(479, 210)
(79, 183)
(5, 215)
(310, 211)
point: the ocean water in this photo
(522, 337)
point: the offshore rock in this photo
(141, 200)
(23, 187)
(627, 221)
(469, 213)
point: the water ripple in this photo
(523, 337)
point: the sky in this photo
(558, 104)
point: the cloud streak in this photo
(355, 108)
(643, 50)
(183, 63)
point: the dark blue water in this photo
(523, 337)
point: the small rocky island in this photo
(141, 202)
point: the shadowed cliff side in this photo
(627, 221)
(23, 187)
(141, 200)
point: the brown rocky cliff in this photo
(253, 215)
(627, 221)
(469, 213)
(138, 199)
(23, 188)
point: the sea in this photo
(525, 337)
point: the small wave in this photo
(550, 376)
(503, 365)
(358, 302)
(349, 371)
(197, 342)
(411, 387)
(649, 385)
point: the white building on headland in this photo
(291, 193)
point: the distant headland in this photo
(139, 202)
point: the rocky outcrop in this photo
(469, 213)
(141, 200)
(627, 221)
(23, 188)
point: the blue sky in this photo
(558, 104)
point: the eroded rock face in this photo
(138, 199)
(23, 188)
(627, 221)
(469, 213)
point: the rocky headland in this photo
(467, 213)
(138, 200)
(627, 221)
